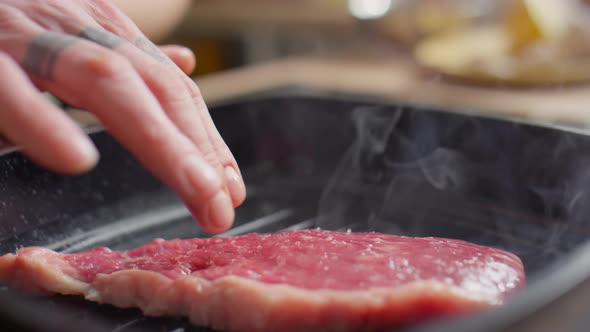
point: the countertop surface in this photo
(394, 79)
(399, 79)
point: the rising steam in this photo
(522, 188)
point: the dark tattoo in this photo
(43, 52)
(101, 37)
(148, 47)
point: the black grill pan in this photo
(336, 163)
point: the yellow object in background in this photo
(528, 21)
(432, 18)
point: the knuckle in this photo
(102, 3)
(193, 88)
(50, 8)
(224, 154)
(9, 12)
(107, 65)
(210, 156)
(53, 14)
(104, 8)
(222, 149)
(159, 71)
(61, 4)
(167, 86)
(11, 18)
(42, 5)
(110, 17)
(153, 136)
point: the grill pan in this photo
(336, 163)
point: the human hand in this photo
(90, 55)
(183, 57)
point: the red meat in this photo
(290, 281)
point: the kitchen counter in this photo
(235, 14)
(392, 79)
(399, 79)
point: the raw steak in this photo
(290, 281)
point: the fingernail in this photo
(202, 178)
(236, 185)
(220, 212)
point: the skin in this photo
(92, 56)
(157, 19)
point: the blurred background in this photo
(526, 58)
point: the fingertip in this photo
(87, 155)
(220, 213)
(236, 186)
(188, 55)
(187, 60)
(76, 157)
(215, 216)
(182, 56)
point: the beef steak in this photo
(290, 281)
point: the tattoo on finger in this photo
(44, 51)
(148, 47)
(102, 37)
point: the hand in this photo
(182, 57)
(90, 55)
